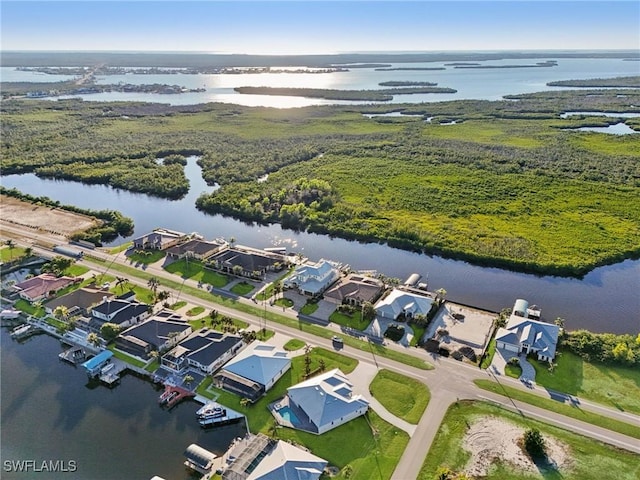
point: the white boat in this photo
(210, 410)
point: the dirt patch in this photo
(492, 440)
(47, 219)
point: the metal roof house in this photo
(400, 302)
(313, 278)
(525, 335)
(320, 404)
(286, 461)
(254, 370)
(199, 459)
(156, 333)
(93, 365)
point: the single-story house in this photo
(159, 239)
(355, 289)
(155, 334)
(120, 311)
(205, 349)
(43, 286)
(82, 299)
(251, 261)
(313, 278)
(400, 302)
(254, 370)
(321, 403)
(198, 249)
(526, 335)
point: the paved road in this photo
(448, 381)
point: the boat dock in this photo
(225, 415)
(24, 331)
(110, 373)
(172, 395)
(73, 355)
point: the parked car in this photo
(337, 340)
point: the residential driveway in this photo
(361, 377)
(379, 325)
(500, 360)
(528, 371)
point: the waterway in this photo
(470, 83)
(51, 412)
(604, 300)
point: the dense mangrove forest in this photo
(504, 183)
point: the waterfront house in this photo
(320, 404)
(159, 239)
(158, 334)
(196, 249)
(43, 286)
(252, 262)
(206, 350)
(119, 311)
(400, 303)
(258, 457)
(355, 289)
(254, 370)
(523, 334)
(313, 278)
(80, 300)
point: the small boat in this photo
(210, 410)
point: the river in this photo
(50, 412)
(606, 299)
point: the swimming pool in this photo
(287, 414)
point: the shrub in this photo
(394, 332)
(534, 444)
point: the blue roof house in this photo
(95, 364)
(261, 363)
(312, 279)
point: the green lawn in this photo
(75, 270)
(192, 312)
(284, 302)
(351, 444)
(309, 308)
(178, 305)
(591, 460)
(352, 321)
(573, 411)
(120, 248)
(610, 385)
(7, 254)
(29, 309)
(153, 366)
(405, 397)
(294, 344)
(418, 332)
(146, 257)
(194, 270)
(490, 352)
(125, 357)
(242, 288)
(513, 371)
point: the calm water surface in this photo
(604, 300)
(49, 412)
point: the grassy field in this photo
(7, 254)
(405, 397)
(308, 308)
(242, 288)
(26, 307)
(75, 270)
(192, 312)
(592, 460)
(353, 444)
(178, 305)
(513, 371)
(294, 344)
(352, 321)
(614, 386)
(146, 257)
(573, 411)
(195, 271)
(125, 357)
(284, 302)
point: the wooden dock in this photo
(74, 355)
(110, 373)
(172, 395)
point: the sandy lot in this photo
(42, 218)
(471, 329)
(491, 439)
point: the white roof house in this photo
(399, 301)
(287, 462)
(327, 400)
(313, 278)
(261, 363)
(522, 334)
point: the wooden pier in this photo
(24, 331)
(74, 355)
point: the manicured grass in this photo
(192, 312)
(7, 254)
(284, 302)
(491, 350)
(153, 366)
(405, 397)
(350, 444)
(269, 290)
(55, 322)
(26, 307)
(573, 411)
(120, 248)
(126, 358)
(143, 294)
(147, 257)
(274, 317)
(607, 384)
(178, 305)
(294, 344)
(352, 321)
(217, 325)
(75, 270)
(309, 308)
(513, 371)
(194, 270)
(418, 332)
(591, 460)
(242, 288)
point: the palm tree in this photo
(61, 312)
(441, 293)
(163, 295)
(153, 284)
(188, 379)
(120, 281)
(11, 244)
(93, 339)
(28, 252)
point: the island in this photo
(384, 95)
(617, 82)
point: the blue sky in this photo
(268, 27)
